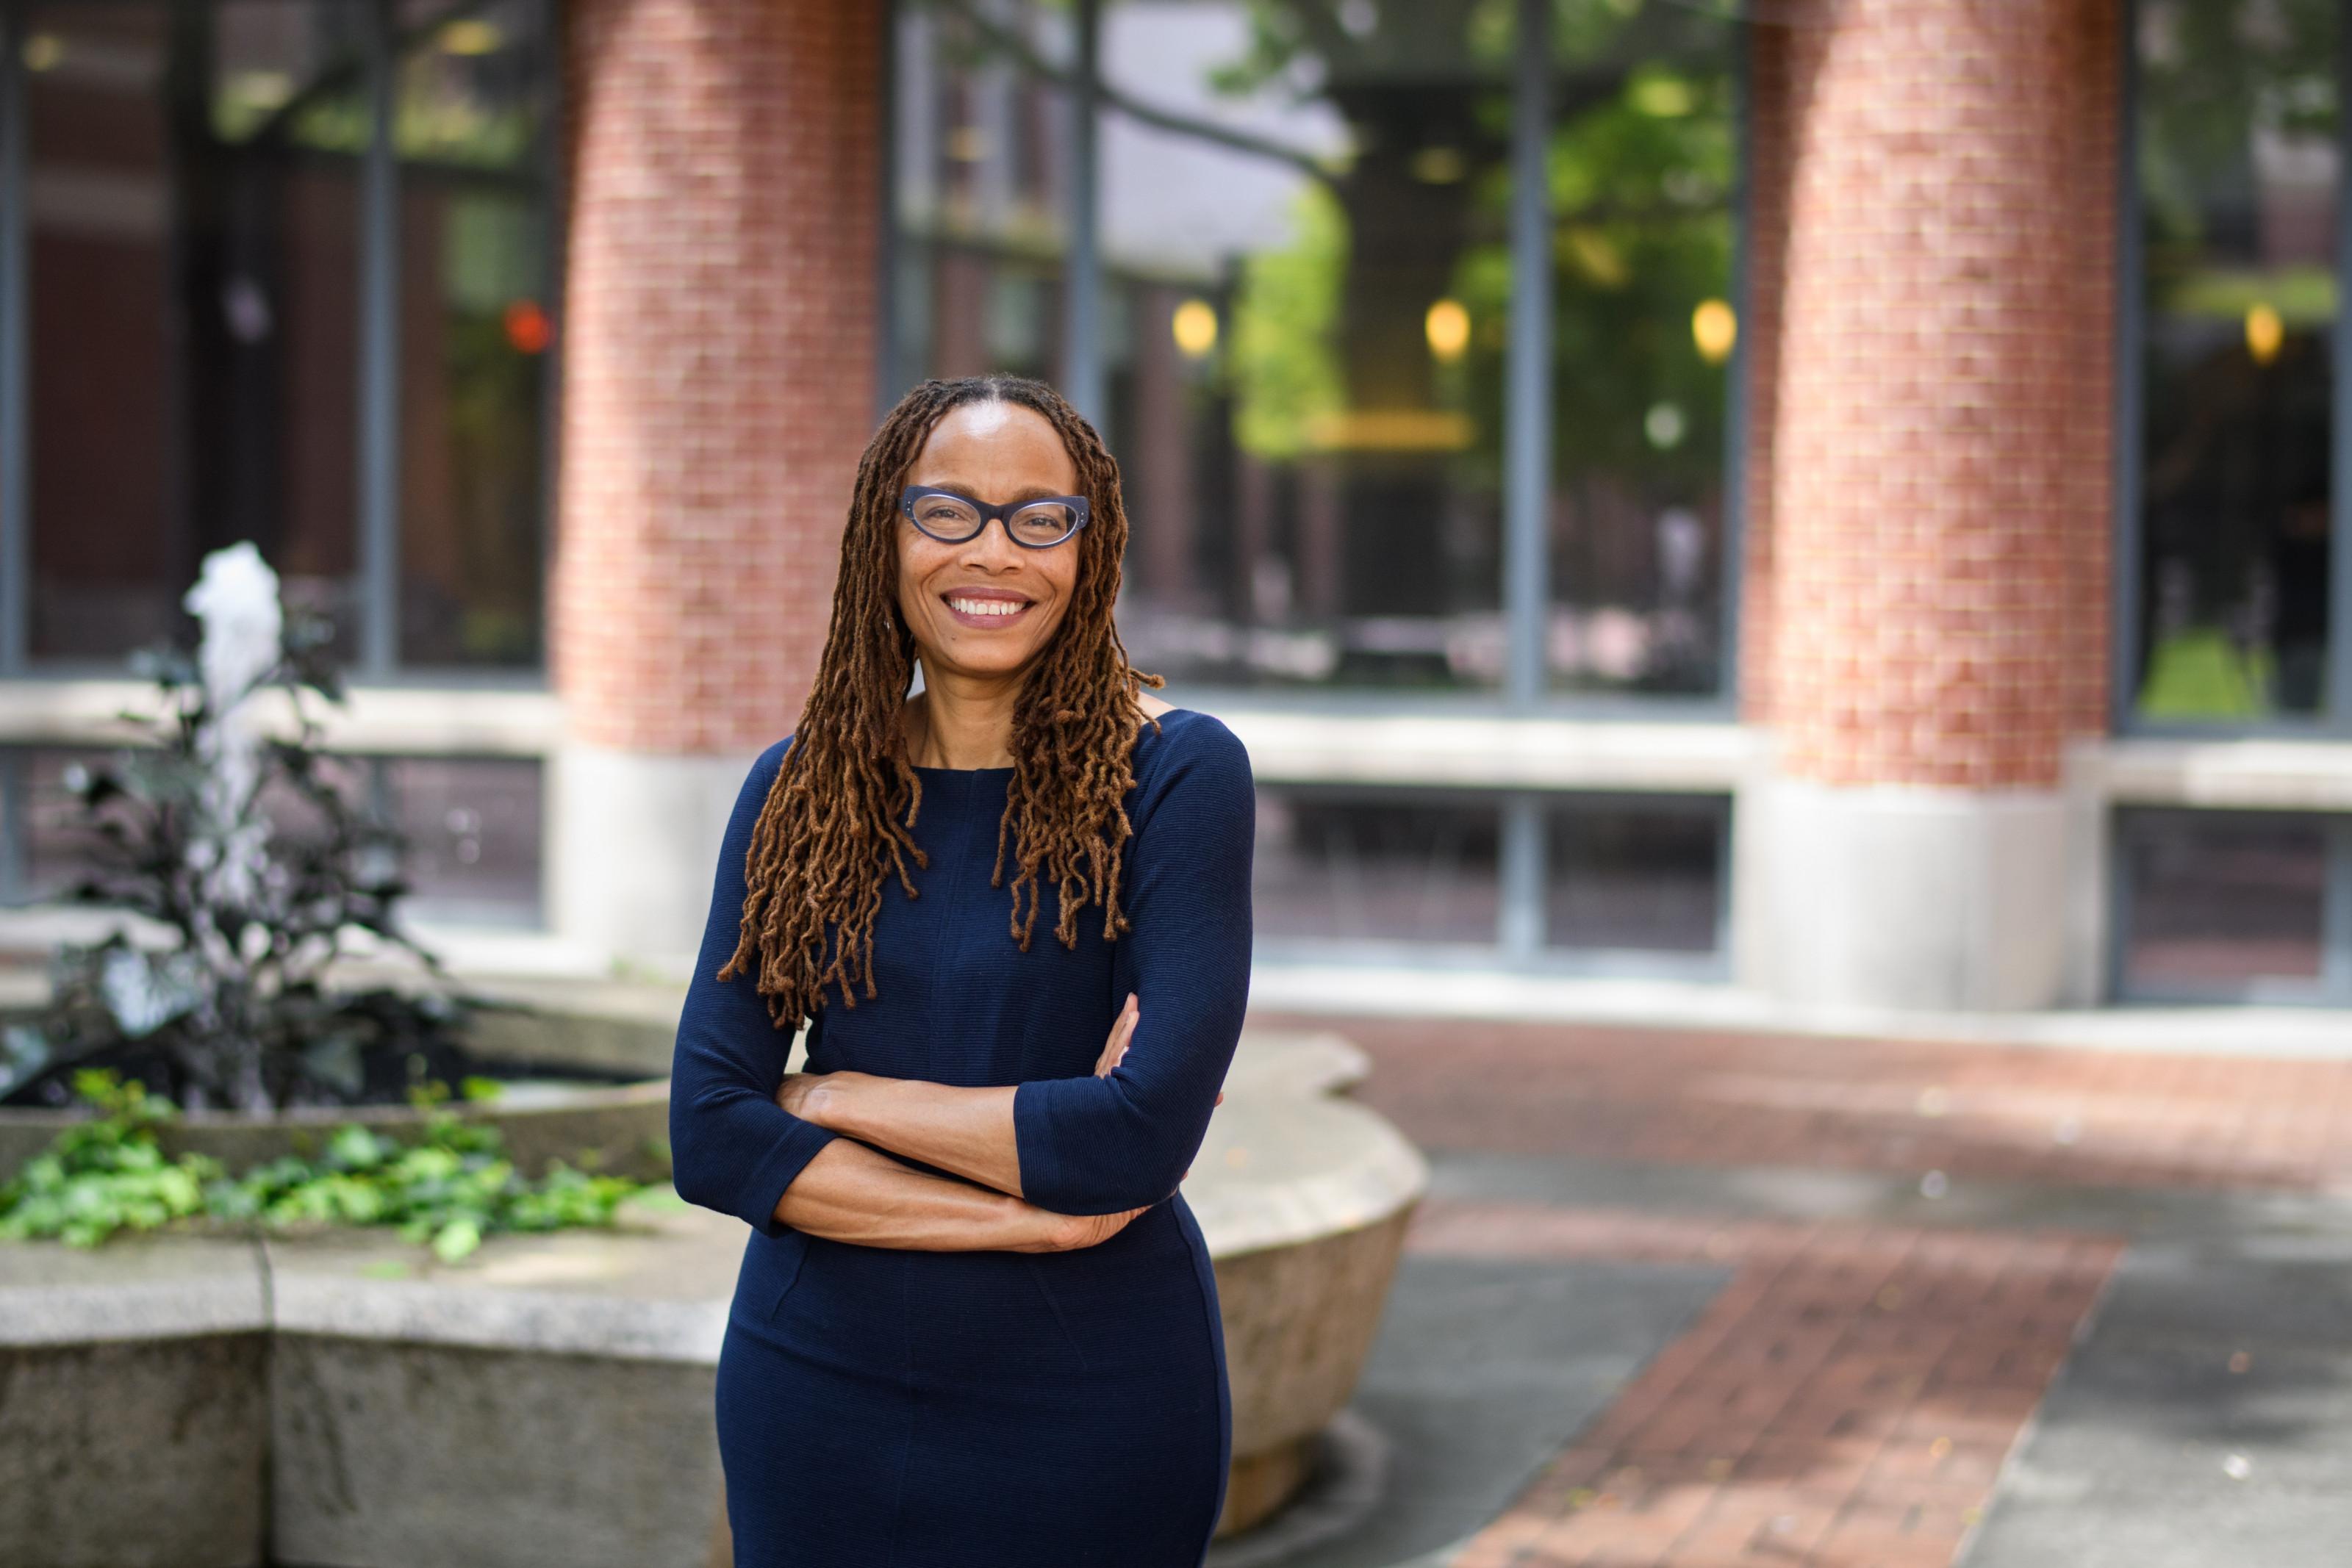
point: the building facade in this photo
(1832, 496)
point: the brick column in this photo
(1927, 575)
(720, 342)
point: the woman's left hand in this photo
(1122, 1034)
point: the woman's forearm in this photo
(852, 1193)
(967, 1130)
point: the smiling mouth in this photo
(973, 610)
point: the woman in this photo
(975, 1324)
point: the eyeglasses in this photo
(951, 519)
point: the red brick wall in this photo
(720, 314)
(1930, 331)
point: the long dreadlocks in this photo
(837, 821)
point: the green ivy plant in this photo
(451, 1188)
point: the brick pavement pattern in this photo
(1849, 1399)
(1846, 1402)
(2022, 1114)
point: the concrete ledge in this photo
(464, 720)
(1479, 752)
(2246, 775)
(1361, 990)
(548, 1401)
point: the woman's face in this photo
(953, 597)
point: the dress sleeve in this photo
(732, 1148)
(1098, 1145)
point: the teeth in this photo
(988, 606)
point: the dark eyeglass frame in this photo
(1003, 515)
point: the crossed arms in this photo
(1046, 1166)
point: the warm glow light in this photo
(1439, 165)
(1391, 430)
(1715, 328)
(1448, 326)
(1195, 327)
(43, 51)
(2264, 334)
(528, 329)
(471, 35)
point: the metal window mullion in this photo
(1082, 379)
(2335, 913)
(16, 285)
(2130, 297)
(886, 237)
(1526, 391)
(2337, 708)
(1524, 848)
(554, 253)
(379, 358)
(1730, 568)
(1527, 467)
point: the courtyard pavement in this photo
(1685, 1298)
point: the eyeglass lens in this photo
(952, 519)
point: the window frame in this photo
(375, 368)
(2128, 543)
(2333, 988)
(1520, 941)
(1526, 692)
(1525, 540)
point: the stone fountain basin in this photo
(618, 1129)
(548, 1401)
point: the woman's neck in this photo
(960, 722)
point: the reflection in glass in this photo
(979, 190)
(2220, 901)
(1333, 866)
(1304, 224)
(1641, 877)
(473, 827)
(2238, 161)
(44, 851)
(190, 206)
(470, 124)
(1643, 168)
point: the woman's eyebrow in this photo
(1024, 493)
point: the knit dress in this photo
(885, 1408)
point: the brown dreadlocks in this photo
(837, 818)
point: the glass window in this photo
(1636, 875)
(1304, 231)
(40, 821)
(472, 824)
(2238, 172)
(473, 827)
(2220, 902)
(1642, 170)
(981, 190)
(190, 205)
(471, 125)
(1344, 866)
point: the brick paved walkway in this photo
(1846, 1401)
(1849, 1399)
(2026, 1113)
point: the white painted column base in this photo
(632, 844)
(1901, 896)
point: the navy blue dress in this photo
(881, 1409)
